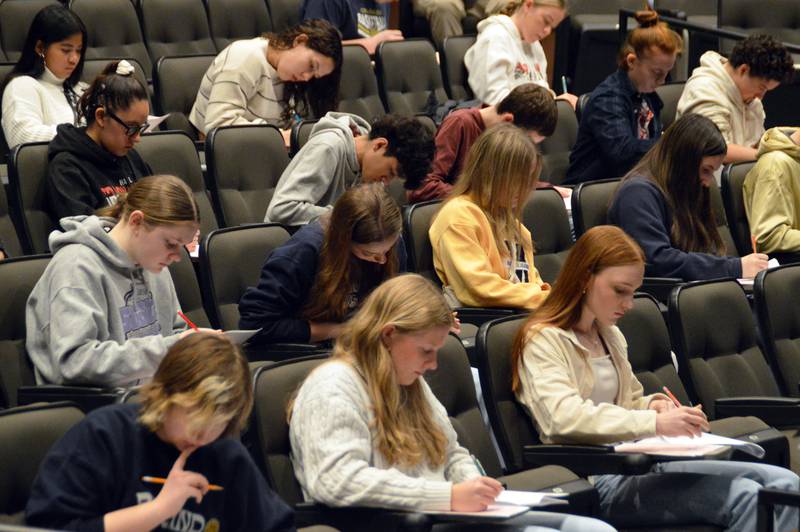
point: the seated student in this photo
(183, 430)
(272, 79)
(528, 106)
(89, 166)
(343, 150)
(105, 312)
(482, 253)
(315, 281)
(772, 195)
(363, 22)
(621, 120)
(729, 91)
(571, 371)
(508, 53)
(366, 430)
(665, 205)
(42, 90)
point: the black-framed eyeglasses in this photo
(130, 130)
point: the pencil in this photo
(753, 242)
(188, 321)
(671, 396)
(159, 480)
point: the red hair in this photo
(650, 34)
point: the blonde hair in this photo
(404, 428)
(502, 167)
(514, 5)
(163, 199)
(206, 374)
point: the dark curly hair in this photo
(766, 57)
(533, 107)
(410, 142)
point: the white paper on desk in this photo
(529, 498)
(687, 446)
(773, 263)
(494, 511)
(240, 337)
(155, 121)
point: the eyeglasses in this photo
(130, 131)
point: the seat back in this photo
(175, 27)
(5, 69)
(775, 294)
(545, 216)
(511, 423)
(231, 261)
(670, 94)
(649, 350)
(244, 164)
(555, 148)
(176, 81)
(284, 13)
(113, 29)
(725, 231)
(417, 219)
(732, 190)
(26, 435)
(187, 289)
(268, 436)
(358, 87)
(173, 152)
(231, 20)
(406, 91)
(590, 203)
(8, 233)
(454, 387)
(93, 67)
(27, 179)
(580, 105)
(454, 72)
(301, 131)
(15, 21)
(717, 351)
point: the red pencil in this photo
(671, 396)
(188, 321)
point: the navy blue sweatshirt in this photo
(288, 274)
(607, 145)
(641, 209)
(96, 468)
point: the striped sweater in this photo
(336, 459)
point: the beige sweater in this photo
(556, 382)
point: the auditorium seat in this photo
(15, 21)
(8, 232)
(284, 13)
(358, 87)
(732, 190)
(404, 90)
(231, 20)
(555, 148)
(27, 174)
(545, 216)
(454, 72)
(176, 81)
(175, 27)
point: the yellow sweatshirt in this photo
(468, 260)
(772, 193)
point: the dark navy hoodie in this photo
(97, 467)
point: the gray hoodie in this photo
(95, 317)
(320, 172)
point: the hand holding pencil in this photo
(179, 486)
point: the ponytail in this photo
(163, 199)
(115, 89)
(651, 33)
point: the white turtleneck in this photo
(33, 107)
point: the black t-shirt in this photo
(97, 467)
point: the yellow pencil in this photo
(159, 480)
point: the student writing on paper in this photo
(105, 312)
(570, 369)
(366, 430)
(184, 432)
(313, 283)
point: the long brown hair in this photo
(163, 199)
(673, 164)
(599, 248)
(650, 34)
(362, 215)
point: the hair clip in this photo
(124, 68)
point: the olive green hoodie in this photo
(772, 193)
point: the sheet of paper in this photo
(155, 121)
(773, 263)
(494, 511)
(529, 498)
(686, 446)
(240, 337)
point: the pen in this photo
(187, 320)
(159, 480)
(477, 463)
(753, 242)
(671, 396)
(564, 84)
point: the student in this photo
(571, 371)
(185, 430)
(43, 89)
(772, 195)
(104, 311)
(665, 205)
(343, 150)
(621, 120)
(363, 22)
(313, 283)
(508, 52)
(529, 106)
(366, 430)
(482, 253)
(90, 166)
(275, 79)
(729, 91)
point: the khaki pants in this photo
(444, 17)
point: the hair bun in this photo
(124, 68)
(647, 18)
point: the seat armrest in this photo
(775, 411)
(360, 519)
(87, 398)
(587, 460)
(660, 287)
(257, 351)
(479, 316)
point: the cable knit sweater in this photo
(336, 459)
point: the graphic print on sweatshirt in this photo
(518, 271)
(523, 72)
(111, 192)
(139, 318)
(185, 520)
(371, 20)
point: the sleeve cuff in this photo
(437, 496)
